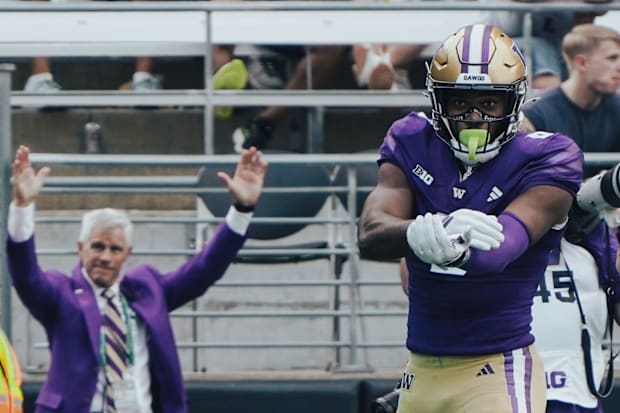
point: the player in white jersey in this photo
(587, 264)
(557, 325)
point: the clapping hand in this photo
(246, 185)
(26, 183)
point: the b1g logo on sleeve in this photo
(423, 174)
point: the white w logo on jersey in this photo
(458, 192)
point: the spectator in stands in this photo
(229, 73)
(474, 205)
(41, 79)
(381, 67)
(324, 62)
(108, 326)
(548, 29)
(585, 106)
(384, 67)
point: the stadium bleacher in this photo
(359, 352)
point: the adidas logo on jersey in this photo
(487, 369)
(495, 194)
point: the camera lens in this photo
(610, 186)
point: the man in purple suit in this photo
(125, 359)
(474, 206)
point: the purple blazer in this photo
(67, 309)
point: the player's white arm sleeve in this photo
(486, 230)
(430, 242)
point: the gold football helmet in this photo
(477, 59)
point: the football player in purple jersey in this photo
(474, 206)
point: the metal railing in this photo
(192, 28)
(354, 340)
(346, 314)
(340, 248)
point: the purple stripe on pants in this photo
(528, 379)
(510, 380)
(509, 372)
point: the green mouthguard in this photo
(473, 139)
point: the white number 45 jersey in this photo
(557, 324)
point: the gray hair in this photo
(105, 219)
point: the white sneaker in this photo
(265, 73)
(145, 82)
(41, 83)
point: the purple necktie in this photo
(115, 334)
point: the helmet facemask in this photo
(494, 69)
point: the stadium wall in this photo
(295, 396)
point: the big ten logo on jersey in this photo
(555, 379)
(556, 285)
(407, 381)
(422, 174)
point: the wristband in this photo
(243, 208)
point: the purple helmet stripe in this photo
(518, 52)
(466, 46)
(486, 45)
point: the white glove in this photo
(486, 231)
(430, 242)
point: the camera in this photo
(598, 197)
(386, 403)
(601, 192)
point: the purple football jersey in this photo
(464, 313)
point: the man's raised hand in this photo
(26, 183)
(246, 185)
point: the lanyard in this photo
(130, 355)
(597, 390)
